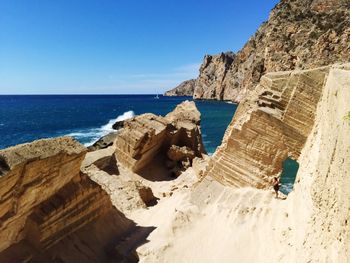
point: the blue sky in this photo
(116, 46)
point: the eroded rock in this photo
(51, 211)
(145, 140)
(147, 196)
(177, 153)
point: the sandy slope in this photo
(220, 229)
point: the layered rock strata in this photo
(50, 211)
(269, 126)
(146, 138)
(186, 88)
(299, 34)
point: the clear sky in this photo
(117, 46)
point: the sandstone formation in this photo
(50, 211)
(186, 88)
(59, 205)
(228, 223)
(177, 153)
(145, 139)
(300, 34)
(269, 126)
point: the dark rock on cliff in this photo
(103, 142)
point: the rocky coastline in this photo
(302, 34)
(153, 191)
(186, 88)
(149, 193)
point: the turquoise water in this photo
(289, 172)
(88, 117)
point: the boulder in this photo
(118, 125)
(146, 195)
(103, 142)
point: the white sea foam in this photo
(287, 187)
(126, 115)
(93, 134)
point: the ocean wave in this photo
(108, 127)
(91, 135)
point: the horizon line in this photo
(85, 94)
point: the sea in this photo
(24, 118)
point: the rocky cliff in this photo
(270, 125)
(50, 211)
(299, 34)
(186, 88)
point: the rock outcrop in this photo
(50, 211)
(211, 83)
(269, 126)
(299, 34)
(186, 88)
(146, 138)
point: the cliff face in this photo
(323, 180)
(186, 88)
(49, 210)
(299, 34)
(272, 124)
